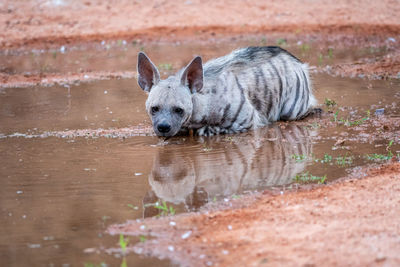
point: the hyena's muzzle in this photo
(166, 122)
(164, 128)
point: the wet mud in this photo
(300, 227)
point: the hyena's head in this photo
(169, 103)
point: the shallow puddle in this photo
(113, 103)
(62, 187)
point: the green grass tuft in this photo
(165, 210)
(381, 157)
(306, 177)
(123, 243)
(299, 158)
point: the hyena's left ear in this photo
(148, 73)
(193, 75)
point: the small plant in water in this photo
(142, 238)
(299, 158)
(335, 116)
(344, 160)
(327, 158)
(390, 153)
(165, 210)
(379, 157)
(306, 177)
(314, 125)
(101, 264)
(347, 122)
(123, 243)
(330, 53)
(330, 102)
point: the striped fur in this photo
(246, 89)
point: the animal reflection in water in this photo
(226, 165)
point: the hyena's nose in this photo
(163, 128)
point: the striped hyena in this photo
(246, 89)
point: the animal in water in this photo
(246, 89)
(180, 176)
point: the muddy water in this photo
(114, 103)
(59, 193)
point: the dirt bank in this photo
(353, 222)
(62, 21)
(387, 66)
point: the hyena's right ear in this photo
(148, 74)
(193, 75)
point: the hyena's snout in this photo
(164, 128)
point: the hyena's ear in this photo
(193, 75)
(148, 74)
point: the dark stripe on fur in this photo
(226, 109)
(242, 99)
(296, 97)
(269, 106)
(280, 81)
(301, 101)
(307, 89)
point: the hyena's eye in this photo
(178, 111)
(155, 109)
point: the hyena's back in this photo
(260, 85)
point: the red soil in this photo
(47, 22)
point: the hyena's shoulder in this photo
(247, 57)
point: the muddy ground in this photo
(354, 221)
